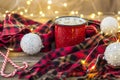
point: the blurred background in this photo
(42, 10)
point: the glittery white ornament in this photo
(109, 25)
(31, 43)
(112, 54)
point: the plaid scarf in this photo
(66, 62)
(71, 66)
(63, 62)
(45, 63)
(24, 20)
(14, 27)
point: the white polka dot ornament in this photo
(109, 25)
(112, 54)
(31, 43)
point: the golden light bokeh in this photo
(48, 9)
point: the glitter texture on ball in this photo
(31, 43)
(109, 25)
(112, 54)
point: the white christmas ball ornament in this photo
(31, 43)
(109, 25)
(112, 54)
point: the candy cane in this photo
(12, 63)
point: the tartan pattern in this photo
(94, 23)
(71, 65)
(13, 41)
(11, 27)
(15, 23)
(60, 63)
(104, 71)
(47, 59)
(62, 69)
(24, 20)
(44, 28)
(1, 27)
(46, 32)
(13, 31)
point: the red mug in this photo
(69, 31)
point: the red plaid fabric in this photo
(46, 32)
(15, 23)
(1, 27)
(71, 66)
(92, 28)
(104, 71)
(59, 63)
(38, 68)
(11, 26)
(12, 33)
(24, 20)
(15, 28)
(13, 41)
(94, 23)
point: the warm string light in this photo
(81, 15)
(49, 1)
(31, 14)
(99, 13)
(93, 67)
(118, 40)
(40, 12)
(26, 10)
(11, 49)
(6, 11)
(43, 15)
(101, 32)
(106, 34)
(57, 17)
(28, 2)
(76, 12)
(118, 18)
(72, 13)
(21, 13)
(83, 62)
(65, 4)
(4, 15)
(13, 12)
(92, 15)
(56, 12)
(48, 7)
(118, 12)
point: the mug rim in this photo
(56, 23)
